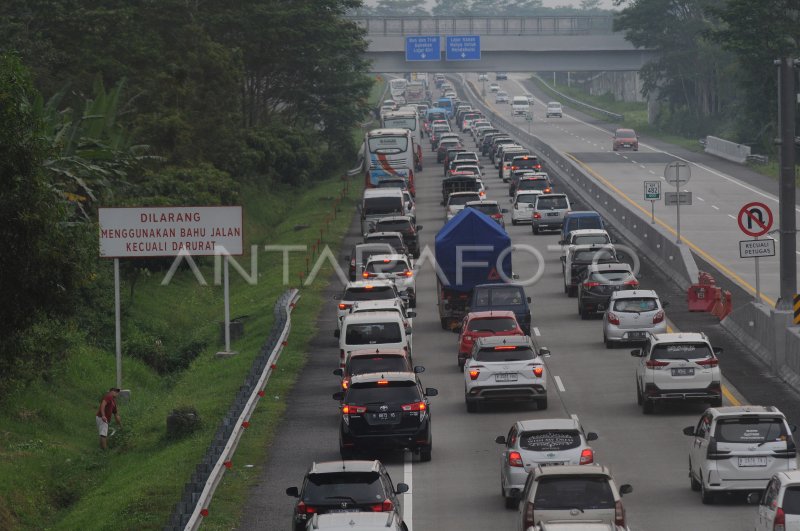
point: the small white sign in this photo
(652, 190)
(141, 232)
(756, 248)
(677, 198)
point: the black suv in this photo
(350, 486)
(385, 411)
(406, 226)
(600, 281)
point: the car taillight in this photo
(537, 167)
(384, 507)
(353, 410)
(613, 319)
(537, 215)
(708, 362)
(515, 459)
(408, 273)
(473, 374)
(779, 524)
(547, 190)
(619, 514)
(590, 284)
(587, 456)
(366, 274)
(653, 364)
(416, 406)
(343, 306)
(513, 168)
(341, 357)
(345, 383)
(631, 283)
(302, 508)
(657, 318)
(538, 371)
(497, 216)
(527, 515)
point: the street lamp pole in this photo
(786, 191)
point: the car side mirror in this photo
(336, 297)
(500, 439)
(562, 242)
(409, 330)
(338, 372)
(293, 491)
(338, 395)
(504, 211)
(347, 258)
(591, 436)
(625, 489)
(664, 304)
(418, 369)
(430, 391)
(689, 430)
(337, 333)
(441, 203)
(411, 314)
(371, 230)
(544, 352)
(528, 299)
(419, 227)
(514, 276)
(636, 353)
(401, 488)
(718, 351)
(793, 428)
(754, 498)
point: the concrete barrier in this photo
(727, 150)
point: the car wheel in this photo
(573, 291)
(609, 344)
(695, 485)
(638, 395)
(346, 453)
(444, 323)
(425, 453)
(566, 290)
(299, 526)
(512, 502)
(535, 229)
(706, 496)
(648, 406)
(513, 221)
(717, 402)
(541, 404)
(472, 406)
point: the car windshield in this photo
(636, 305)
(367, 393)
(568, 492)
(610, 276)
(527, 198)
(525, 163)
(467, 156)
(533, 184)
(589, 255)
(492, 324)
(394, 241)
(363, 487)
(375, 293)
(549, 440)
(388, 266)
(382, 205)
(625, 133)
(597, 239)
(505, 353)
(489, 209)
(750, 430)
(447, 144)
(388, 144)
(372, 249)
(387, 183)
(377, 363)
(372, 333)
(394, 225)
(681, 351)
(463, 199)
(499, 295)
(551, 203)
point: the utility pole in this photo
(786, 195)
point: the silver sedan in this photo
(632, 315)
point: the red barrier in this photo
(700, 297)
(705, 278)
(727, 305)
(719, 304)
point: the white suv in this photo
(394, 267)
(365, 290)
(779, 504)
(677, 367)
(505, 368)
(739, 448)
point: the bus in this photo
(397, 88)
(407, 120)
(447, 105)
(389, 153)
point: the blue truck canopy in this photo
(470, 228)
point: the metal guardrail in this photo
(614, 117)
(193, 507)
(564, 25)
(726, 149)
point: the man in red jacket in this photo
(108, 407)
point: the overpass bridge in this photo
(508, 44)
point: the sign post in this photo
(678, 174)
(755, 219)
(146, 232)
(652, 193)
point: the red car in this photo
(483, 324)
(625, 139)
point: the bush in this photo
(183, 421)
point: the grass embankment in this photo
(52, 473)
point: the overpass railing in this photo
(566, 25)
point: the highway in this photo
(709, 226)
(459, 489)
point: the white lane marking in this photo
(642, 166)
(536, 332)
(408, 504)
(715, 207)
(574, 417)
(798, 252)
(731, 216)
(701, 199)
(624, 157)
(634, 162)
(559, 384)
(651, 171)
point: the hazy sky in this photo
(607, 4)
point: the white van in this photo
(379, 203)
(378, 330)
(520, 106)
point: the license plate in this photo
(554, 463)
(343, 511)
(384, 417)
(626, 145)
(637, 335)
(505, 377)
(752, 461)
(683, 371)
(554, 214)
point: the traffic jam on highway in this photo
(621, 422)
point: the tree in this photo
(590, 5)
(400, 8)
(451, 8)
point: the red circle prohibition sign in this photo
(751, 219)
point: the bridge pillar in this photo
(653, 106)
